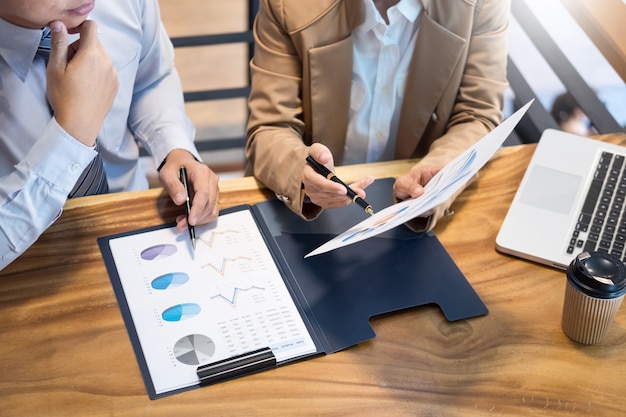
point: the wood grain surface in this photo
(65, 350)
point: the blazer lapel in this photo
(437, 54)
(330, 94)
(331, 76)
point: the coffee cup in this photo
(596, 284)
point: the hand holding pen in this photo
(325, 197)
(202, 189)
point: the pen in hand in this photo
(321, 169)
(182, 173)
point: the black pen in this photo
(321, 169)
(182, 173)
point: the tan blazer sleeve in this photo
(302, 61)
(477, 108)
(478, 105)
(275, 150)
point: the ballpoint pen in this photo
(182, 173)
(321, 169)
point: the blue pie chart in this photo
(181, 312)
(171, 280)
(158, 252)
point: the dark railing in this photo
(245, 37)
(539, 118)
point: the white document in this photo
(192, 308)
(439, 189)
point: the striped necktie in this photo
(93, 179)
(43, 49)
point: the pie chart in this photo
(171, 280)
(158, 252)
(194, 349)
(181, 312)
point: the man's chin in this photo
(73, 24)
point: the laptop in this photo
(570, 200)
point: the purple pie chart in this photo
(158, 252)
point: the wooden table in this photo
(65, 350)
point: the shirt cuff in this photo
(58, 157)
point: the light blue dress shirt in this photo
(382, 53)
(40, 162)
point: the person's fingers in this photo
(316, 183)
(411, 185)
(362, 183)
(322, 155)
(202, 183)
(58, 46)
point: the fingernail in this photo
(55, 26)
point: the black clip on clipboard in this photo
(236, 366)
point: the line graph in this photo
(220, 268)
(233, 299)
(210, 241)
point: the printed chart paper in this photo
(192, 308)
(438, 190)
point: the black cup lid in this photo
(598, 274)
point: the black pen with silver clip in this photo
(321, 169)
(182, 173)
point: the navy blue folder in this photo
(339, 291)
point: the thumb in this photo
(58, 44)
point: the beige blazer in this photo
(301, 78)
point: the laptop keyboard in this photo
(601, 224)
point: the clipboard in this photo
(181, 313)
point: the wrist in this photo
(82, 134)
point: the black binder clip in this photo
(240, 365)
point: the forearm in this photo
(276, 157)
(157, 114)
(33, 194)
(158, 119)
(275, 149)
(480, 98)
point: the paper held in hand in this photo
(439, 189)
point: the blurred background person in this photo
(570, 117)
